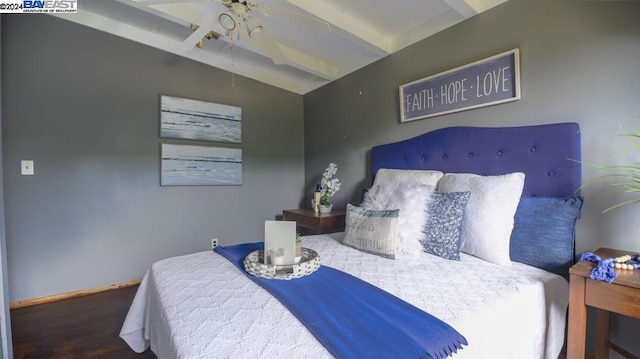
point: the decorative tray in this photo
(309, 263)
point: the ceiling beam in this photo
(351, 28)
(294, 58)
(466, 8)
(266, 72)
(470, 8)
(175, 12)
(485, 5)
(181, 13)
(308, 63)
(421, 32)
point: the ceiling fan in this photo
(239, 15)
(238, 22)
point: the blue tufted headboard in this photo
(540, 151)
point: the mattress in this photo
(201, 306)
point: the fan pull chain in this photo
(233, 73)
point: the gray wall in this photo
(84, 105)
(5, 320)
(580, 61)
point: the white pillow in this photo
(488, 218)
(386, 176)
(412, 201)
(371, 231)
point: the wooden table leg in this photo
(577, 318)
(602, 334)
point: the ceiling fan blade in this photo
(270, 46)
(194, 38)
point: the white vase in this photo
(325, 209)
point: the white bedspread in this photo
(202, 306)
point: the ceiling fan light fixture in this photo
(227, 20)
(253, 27)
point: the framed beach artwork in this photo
(199, 120)
(186, 165)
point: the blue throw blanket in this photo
(354, 319)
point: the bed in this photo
(201, 306)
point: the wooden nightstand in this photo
(321, 223)
(622, 297)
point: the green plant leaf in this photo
(626, 177)
(324, 200)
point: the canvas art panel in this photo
(199, 120)
(185, 165)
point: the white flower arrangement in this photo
(328, 184)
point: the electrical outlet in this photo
(214, 243)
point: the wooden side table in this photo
(622, 296)
(319, 222)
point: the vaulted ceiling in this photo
(303, 44)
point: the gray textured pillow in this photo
(412, 202)
(442, 230)
(372, 231)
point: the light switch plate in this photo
(26, 167)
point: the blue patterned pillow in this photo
(544, 232)
(442, 230)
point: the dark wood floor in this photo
(85, 327)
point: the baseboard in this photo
(79, 293)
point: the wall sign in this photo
(486, 82)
